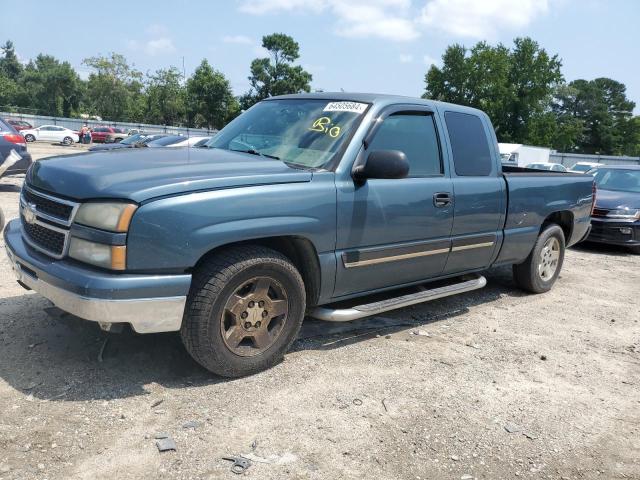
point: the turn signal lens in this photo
(113, 257)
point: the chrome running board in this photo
(368, 309)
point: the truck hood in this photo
(612, 199)
(140, 174)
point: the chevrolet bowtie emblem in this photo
(29, 213)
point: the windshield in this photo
(581, 168)
(303, 132)
(202, 142)
(169, 140)
(618, 179)
(132, 139)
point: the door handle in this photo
(442, 199)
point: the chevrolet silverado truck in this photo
(336, 206)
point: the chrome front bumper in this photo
(93, 296)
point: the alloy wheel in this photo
(254, 316)
(549, 257)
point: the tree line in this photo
(521, 88)
(117, 91)
(523, 91)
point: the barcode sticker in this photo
(354, 107)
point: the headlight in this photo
(111, 216)
(625, 213)
(106, 256)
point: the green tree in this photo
(210, 101)
(114, 89)
(10, 66)
(605, 111)
(165, 97)
(50, 87)
(276, 74)
(514, 86)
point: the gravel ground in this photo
(491, 384)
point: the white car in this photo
(50, 133)
(189, 142)
(584, 167)
(553, 167)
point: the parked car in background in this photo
(616, 215)
(137, 140)
(19, 124)
(201, 143)
(135, 131)
(166, 141)
(190, 141)
(304, 204)
(116, 136)
(14, 157)
(99, 134)
(553, 167)
(584, 167)
(51, 133)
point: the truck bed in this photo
(534, 195)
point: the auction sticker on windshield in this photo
(354, 107)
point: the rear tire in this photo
(635, 250)
(541, 269)
(29, 138)
(244, 310)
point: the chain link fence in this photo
(77, 123)
(570, 159)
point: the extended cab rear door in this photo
(479, 190)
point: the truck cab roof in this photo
(381, 99)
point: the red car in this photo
(20, 124)
(99, 134)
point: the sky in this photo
(382, 46)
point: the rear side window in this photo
(415, 135)
(469, 144)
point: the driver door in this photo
(396, 231)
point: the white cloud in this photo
(387, 19)
(481, 19)
(239, 39)
(159, 46)
(260, 7)
(429, 60)
(158, 42)
(406, 58)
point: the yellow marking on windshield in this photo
(324, 125)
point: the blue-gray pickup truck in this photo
(303, 205)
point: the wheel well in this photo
(564, 220)
(300, 251)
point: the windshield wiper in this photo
(256, 152)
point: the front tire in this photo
(29, 138)
(244, 310)
(635, 250)
(541, 269)
(67, 141)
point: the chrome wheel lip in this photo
(549, 259)
(250, 312)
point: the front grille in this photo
(46, 221)
(43, 237)
(48, 206)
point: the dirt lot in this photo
(498, 384)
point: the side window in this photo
(469, 144)
(415, 135)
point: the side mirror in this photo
(386, 164)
